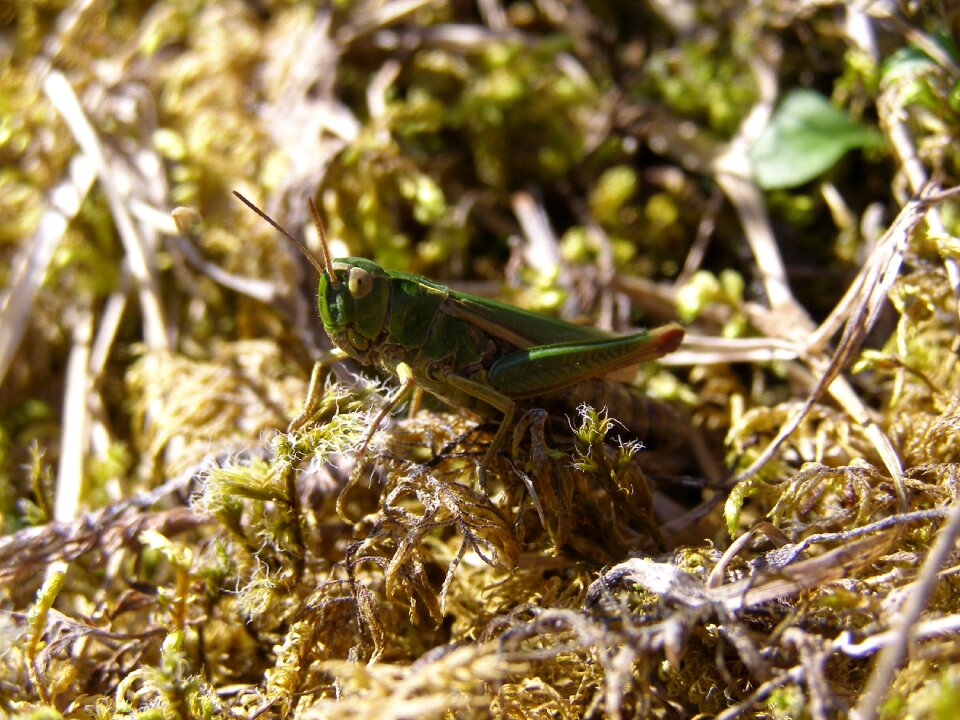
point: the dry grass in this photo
(169, 549)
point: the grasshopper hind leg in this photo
(493, 397)
(658, 424)
(535, 421)
(498, 440)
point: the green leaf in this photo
(805, 137)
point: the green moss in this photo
(230, 566)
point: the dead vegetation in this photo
(776, 175)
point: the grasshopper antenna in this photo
(323, 239)
(299, 245)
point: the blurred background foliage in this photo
(606, 162)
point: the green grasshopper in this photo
(474, 353)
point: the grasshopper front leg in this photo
(407, 383)
(315, 389)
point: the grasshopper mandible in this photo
(474, 353)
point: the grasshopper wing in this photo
(554, 342)
(518, 327)
(545, 368)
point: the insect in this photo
(475, 353)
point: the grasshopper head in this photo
(352, 296)
(353, 304)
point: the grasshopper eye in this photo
(360, 282)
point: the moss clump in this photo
(762, 538)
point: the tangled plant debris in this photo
(779, 177)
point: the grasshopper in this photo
(475, 353)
